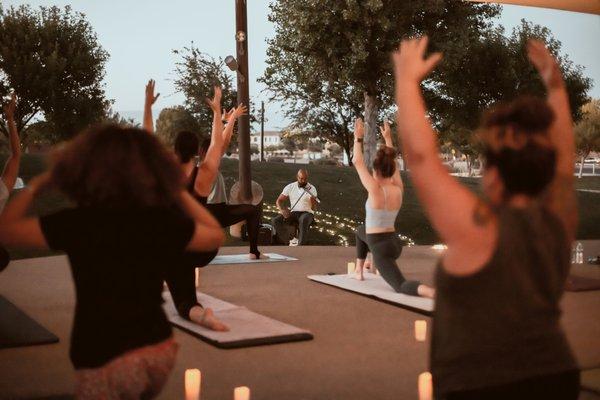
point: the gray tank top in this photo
(380, 218)
(501, 324)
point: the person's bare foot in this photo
(426, 291)
(206, 317)
(252, 256)
(358, 274)
(368, 265)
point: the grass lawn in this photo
(341, 194)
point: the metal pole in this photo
(262, 131)
(243, 96)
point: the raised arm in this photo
(16, 227)
(452, 209)
(231, 117)
(357, 156)
(11, 168)
(148, 103)
(561, 196)
(209, 167)
(386, 132)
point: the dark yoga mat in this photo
(18, 329)
(581, 284)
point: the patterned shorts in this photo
(137, 374)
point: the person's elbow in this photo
(215, 238)
(219, 238)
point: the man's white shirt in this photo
(299, 195)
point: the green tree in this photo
(338, 52)
(51, 58)
(288, 143)
(173, 120)
(587, 131)
(197, 74)
(502, 72)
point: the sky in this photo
(140, 37)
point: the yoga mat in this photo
(246, 328)
(375, 287)
(18, 329)
(243, 259)
(581, 284)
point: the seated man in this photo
(303, 199)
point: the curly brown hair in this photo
(516, 142)
(115, 166)
(385, 162)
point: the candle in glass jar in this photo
(241, 393)
(425, 386)
(192, 384)
(420, 330)
(351, 268)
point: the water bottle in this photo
(579, 253)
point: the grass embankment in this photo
(341, 195)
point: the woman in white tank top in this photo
(378, 234)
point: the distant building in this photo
(272, 138)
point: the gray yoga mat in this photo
(243, 259)
(375, 287)
(246, 328)
(18, 329)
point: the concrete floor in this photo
(363, 348)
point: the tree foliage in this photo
(52, 59)
(197, 74)
(587, 131)
(502, 72)
(173, 120)
(329, 60)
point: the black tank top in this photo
(501, 324)
(191, 187)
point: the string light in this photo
(345, 230)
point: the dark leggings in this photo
(228, 215)
(182, 281)
(561, 386)
(386, 248)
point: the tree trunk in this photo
(469, 166)
(349, 155)
(370, 141)
(581, 166)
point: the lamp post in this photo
(245, 191)
(243, 96)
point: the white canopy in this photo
(584, 6)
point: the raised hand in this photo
(227, 114)
(150, 97)
(215, 102)
(237, 112)
(386, 132)
(10, 107)
(410, 64)
(545, 63)
(359, 129)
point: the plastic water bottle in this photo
(579, 253)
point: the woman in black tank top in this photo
(496, 330)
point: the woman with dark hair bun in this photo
(132, 218)
(378, 234)
(496, 328)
